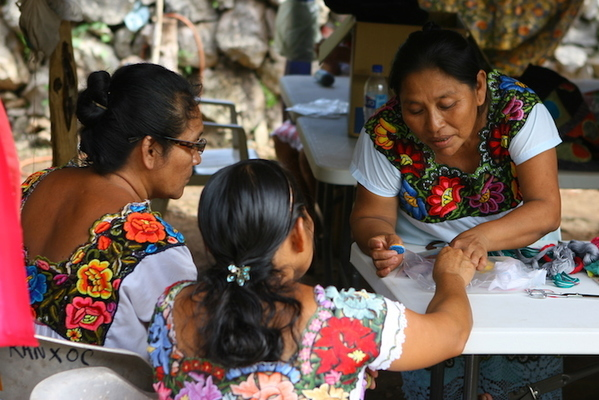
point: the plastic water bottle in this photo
(376, 92)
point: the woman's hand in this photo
(451, 260)
(475, 246)
(385, 260)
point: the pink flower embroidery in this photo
(270, 386)
(489, 198)
(513, 110)
(163, 392)
(332, 377)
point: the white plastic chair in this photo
(88, 383)
(22, 367)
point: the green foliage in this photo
(26, 48)
(98, 29)
(271, 99)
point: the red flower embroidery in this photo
(143, 227)
(445, 196)
(411, 159)
(102, 227)
(159, 373)
(498, 142)
(345, 345)
(87, 314)
(104, 242)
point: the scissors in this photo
(545, 293)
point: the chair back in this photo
(22, 367)
(89, 383)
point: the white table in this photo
(506, 322)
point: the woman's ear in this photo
(302, 234)
(151, 152)
(481, 87)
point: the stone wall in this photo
(241, 63)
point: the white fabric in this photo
(373, 171)
(138, 294)
(393, 336)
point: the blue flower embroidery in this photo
(151, 248)
(356, 304)
(159, 345)
(508, 83)
(410, 202)
(137, 207)
(283, 368)
(172, 231)
(37, 284)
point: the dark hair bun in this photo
(93, 101)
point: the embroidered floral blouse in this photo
(432, 193)
(78, 298)
(349, 331)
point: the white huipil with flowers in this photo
(349, 331)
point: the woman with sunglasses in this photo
(97, 256)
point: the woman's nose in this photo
(434, 121)
(197, 158)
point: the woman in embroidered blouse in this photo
(249, 328)
(97, 256)
(463, 155)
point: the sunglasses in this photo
(198, 146)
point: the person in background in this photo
(462, 155)
(97, 256)
(249, 328)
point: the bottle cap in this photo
(377, 68)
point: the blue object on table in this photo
(398, 248)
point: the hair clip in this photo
(238, 274)
(99, 105)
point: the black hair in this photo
(138, 100)
(246, 211)
(444, 49)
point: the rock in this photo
(36, 92)
(188, 49)
(240, 85)
(271, 71)
(93, 55)
(241, 34)
(111, 12)
(13, 70)
(194, 10)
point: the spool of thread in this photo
(398, 248)
(324, 78)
